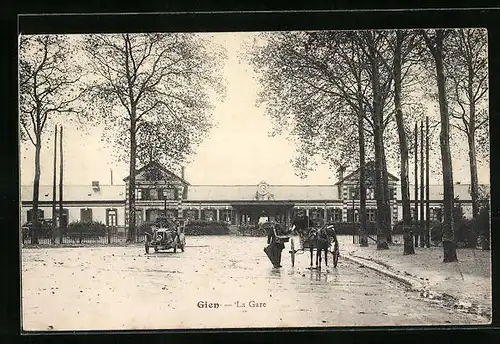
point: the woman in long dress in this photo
(275, 247)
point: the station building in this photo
(159, 191)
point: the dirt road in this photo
(218, 282)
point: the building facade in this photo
(159, 191)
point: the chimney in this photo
(95, 185)
(111, 171)
(340, 173)
(182, 172)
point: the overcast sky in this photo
(237, 151)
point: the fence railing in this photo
(111, 235)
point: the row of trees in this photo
(152, 92)
(342, 94)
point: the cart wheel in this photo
(292, 252)
(147, 247)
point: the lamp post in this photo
(164, 204)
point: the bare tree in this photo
(313, 84)
(468, 83)
(144, 82)
(435, 42)
(402, 48)
(310, 79)
(48, 86)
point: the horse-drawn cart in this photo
(316, 239)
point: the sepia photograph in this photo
(246, 180)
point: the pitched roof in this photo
(76, 193)
(248, 192)
(116, 193)
(159, 166)
(368, 165)
(462, 191)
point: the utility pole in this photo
(427, 205)
(416, 232)
(422, 186)
(54, 188)
(62, 224)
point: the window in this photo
(209, 215)
(153, 194)
(169, 193)
(171, 214)
(337, 215)
(350, 213)
(65, 217)
(370, 193)
(334, 215)
(86, 215)
(371, 215)
(353, 193)
(225, 215)
(436, 214)
(138, 194)
(391, 193)
(40, 215)
(111, 217)
(299, 213)
(191, 214)
(316, 214)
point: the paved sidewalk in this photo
(464, 285)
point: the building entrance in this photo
(255, 213)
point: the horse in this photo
(316, 237)
(325, 237)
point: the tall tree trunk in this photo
(379, 190)
(36, 192)
(131, 186)
(415, 222)
(378, 138)
(449, 244)
(403, 148)
(422, 186)
(387, 197)
(54, 188)
(62, 219)
(474, 183)
(363, 239)
(427, 187)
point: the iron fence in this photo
(111, 235)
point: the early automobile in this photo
(166, 234)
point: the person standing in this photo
(275, 246)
